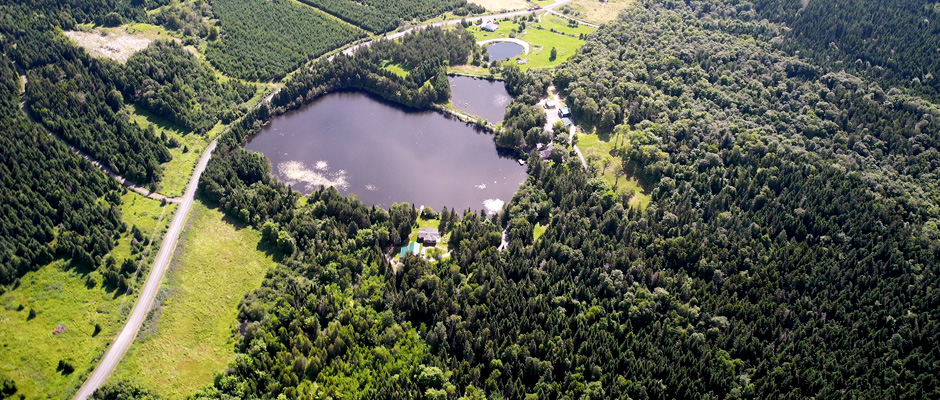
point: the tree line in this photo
(386, 15)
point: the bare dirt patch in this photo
(116, 44)
(598, 12)
(499, 5)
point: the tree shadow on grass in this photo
(263, 246)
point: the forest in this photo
(174, 85)
(264, 40)
(895, 41)
(49, 196)
(790, 250)
(424, 55)
(386, 15)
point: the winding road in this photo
(126, 337)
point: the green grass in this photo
(395, 69)
(541, 39)
(60, 294)
(469, 70)
(215, 265)
(593, 146)
(177, 171)
(559, 24)
(538, 231)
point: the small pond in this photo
(480, 97)
(385, 154)
(503, 50)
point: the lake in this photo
(385, 154)
(480, 97)
(503, 50)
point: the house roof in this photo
(566, 121)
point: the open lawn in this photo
(552, 32)
(191, 338)
(597, 11)
(593, 146)
(63, 293)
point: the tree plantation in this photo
(790, 248)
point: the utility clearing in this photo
(117, 44)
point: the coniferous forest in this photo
(791, 248)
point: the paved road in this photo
(524, 44)
(132, 186)
(126, 337)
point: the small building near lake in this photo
(564, 112)
(489, 26)
(429, 235)
(545, 150)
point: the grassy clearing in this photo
(552, 32)
(597, 11)
(216, 264)
(538, 231)
(62, 293)
(177, 171)
(470, 70)
(395, 69)
(544, 41)
(594, 147)
(59, 295)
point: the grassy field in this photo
(552, 32)
(395, 69)
(191, 339)
(597, 11)
(593, 146)
(61, 293)
(469, 70)
(177, 171)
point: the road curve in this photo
(160, 264)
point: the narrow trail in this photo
(123, 181)
(126, 337)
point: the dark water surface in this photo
(503, 50)
(385, 154)
(480, 97)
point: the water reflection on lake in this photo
(480, 97)
(503, 50)
(384, 154)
